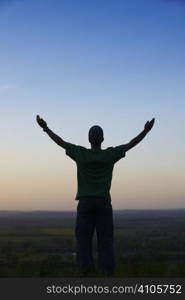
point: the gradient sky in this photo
(114, 63)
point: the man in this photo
(94, 209)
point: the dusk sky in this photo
(113, 63)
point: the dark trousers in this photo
(95, 213)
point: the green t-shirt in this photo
(94, 169)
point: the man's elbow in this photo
(129, 146)
(61, 143)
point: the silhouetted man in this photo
(94, 209)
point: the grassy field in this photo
(42, 244)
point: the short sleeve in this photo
(118, 152)
(71, 150)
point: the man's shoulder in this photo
(82, 148)
(109, 149)
(119, 147)
(68, 145)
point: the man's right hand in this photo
(149, 125)
(41, 122)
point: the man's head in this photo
(96, 135)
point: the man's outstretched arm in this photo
(148, 126)
(57, 139)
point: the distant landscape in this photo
(148, 243)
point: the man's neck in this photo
(94, 147)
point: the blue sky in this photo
(80, 63)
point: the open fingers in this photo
(152, 121)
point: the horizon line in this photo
(122, 209)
